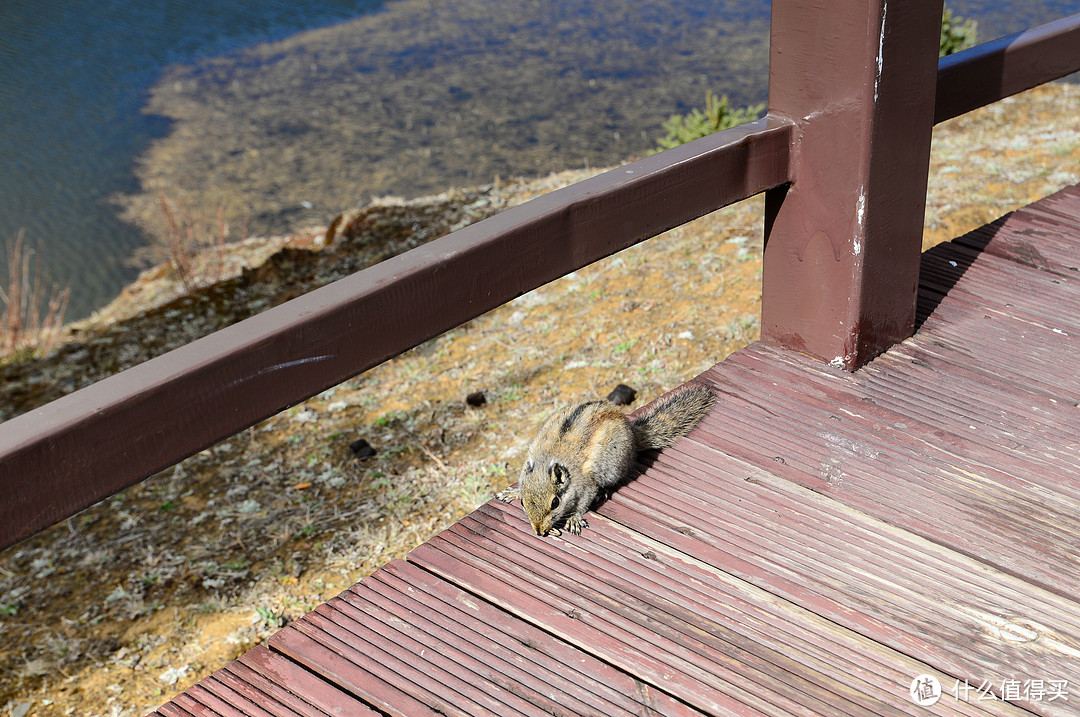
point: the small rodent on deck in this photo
(584, 450)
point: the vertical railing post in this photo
(843, 241)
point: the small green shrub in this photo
(717, 116)
(956, 33)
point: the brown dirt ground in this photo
(116, 609)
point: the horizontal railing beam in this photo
(79, 449)
(994, 70)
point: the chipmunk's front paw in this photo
(510, 494)
(575, 524)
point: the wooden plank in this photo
(1041, 235)
(172, 709)
(1029, 240)
(64, 456)
(280, 703)
(1049, 448)
(497, 677)
(283, 681)
(224, 700)
(907, 593)
(870, 677)
(216, 699)
(911, 375)
(522, 657)
(999, 285)
(261, 683)
(1060, 208)
(844, 596)
(963, 321)
(670, 628)
(435, 665)
(932, 481)
(189, 705)
(565, 616)
(829, 458)
(1025, 422)
(359, 675)
(934, 431)
(948, 357)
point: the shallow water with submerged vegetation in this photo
(426, 95)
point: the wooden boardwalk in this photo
(818, 542)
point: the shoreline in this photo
(75, 80)
(252, 251)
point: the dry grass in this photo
(30, 322)
(991, 161)
(194, 243)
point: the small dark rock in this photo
(476, 399)
(361, 448)
(622, 395)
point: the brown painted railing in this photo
(842, 156)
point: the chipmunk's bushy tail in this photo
(671, 416)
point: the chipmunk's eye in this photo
(529, 465)
(554, 502)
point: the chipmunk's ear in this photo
(559, 474)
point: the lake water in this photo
(75, 77)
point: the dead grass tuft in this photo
(24, 327)
(193, 242)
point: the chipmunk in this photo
(588, 448)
